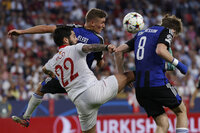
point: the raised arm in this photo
(119, 57)
(97, 48)
(33, 30)
(194, 95)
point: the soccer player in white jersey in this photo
(88, 33)
(94, 24)
(84, 90)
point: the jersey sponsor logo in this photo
(82, 39)
(66, 125)
(151, 30)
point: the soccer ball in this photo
(133, 22)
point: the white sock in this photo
(32, 105)
(182, 130)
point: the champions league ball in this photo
(133, 22)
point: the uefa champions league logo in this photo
(66, 125)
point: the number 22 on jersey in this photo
(65, 68)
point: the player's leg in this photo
(124, 79)
(49, 85)
(152, 100)
(182, 120)
(154, 110)
(87, 103)
(34, 102)
(92, 130)
(87, 109)
(170, 98)
(177, 106)
(162, 123)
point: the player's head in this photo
(95, 19)
(172, 22)
(64, 35)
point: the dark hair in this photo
(60, 33)
(95, 13)
(172, 22)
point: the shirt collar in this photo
(62, 46)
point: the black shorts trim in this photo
(52, 85)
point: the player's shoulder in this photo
(69, 25)
(78, 47)
(165, 30)
(53, 60)
(100, 37)
(93, 36)
(75, 25)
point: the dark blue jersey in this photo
(150, 68)
(88, 37)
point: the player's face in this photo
(73, 39)
(99, 24)
(174, 32)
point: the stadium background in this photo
(22, 58)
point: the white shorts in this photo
(88, 102)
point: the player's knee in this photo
(40, 83)
(162, 121)
(180, 110)
(38, 89)
(164, 124)
(162, 129)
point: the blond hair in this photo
(95, 13)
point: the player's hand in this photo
(14, 32)
(111, 48)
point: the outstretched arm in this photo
(33, 30)
(194, 95)
(97, 48)
(119, 61)
(119, 57)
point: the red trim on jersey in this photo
(63, 46)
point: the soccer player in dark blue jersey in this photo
(89, 33)
(153, 90)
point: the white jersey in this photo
(70, 67)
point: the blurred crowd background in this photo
(22, 58)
